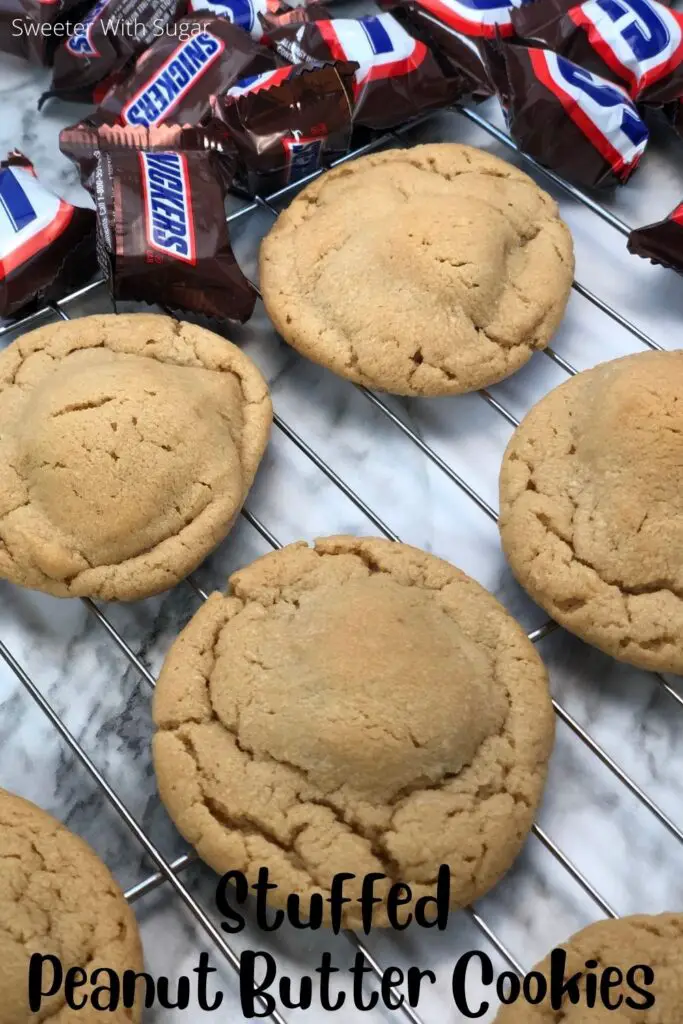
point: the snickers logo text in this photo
(639, 40)
(31, 218)
(379, 44)
(169, 223)
(162, 93)
(601, 110)
(80, 44)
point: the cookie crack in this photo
(574, 604)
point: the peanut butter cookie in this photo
(591, 507)
(57, 898)
(427, 271)
(127, 447)
(357, 706)
(629, 945)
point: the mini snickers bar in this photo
(109, 36)
(245, 13)
(47, 246)
(638, 43)
(458, 30)
(173, 81)
(288, 123)
(161, 228)
(41, 27)
(569, 119)
(397, 78)
(661, 243)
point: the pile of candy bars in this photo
(195, 97)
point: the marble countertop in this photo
(617, 843)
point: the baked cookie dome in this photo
(433, 270)
(655, 941)
(357, 706)
(127, 446)
(591, 507)
(58, 898)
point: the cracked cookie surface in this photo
(591, 508)
(357, 706)
(655, 941)
(127, 446)
(426, 271)
(57, 897)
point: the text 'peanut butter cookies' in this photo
(591, 507)
(57, 898)
(630, 945)
(358, 706)
(427, 271)
(127, 447)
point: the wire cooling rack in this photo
(170, 872)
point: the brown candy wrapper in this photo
(174, 80)
(574, 122)
(638, 43)
(661, 243)
(247, 14)
(397, 78)
(458, 32)
(288, 123)
(33, 29)
(47, 246)
(110, 34)
(283, 15)
(162, 233)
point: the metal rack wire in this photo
(170, 872)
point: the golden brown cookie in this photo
(654, 941)
(127, 447)
(591, 507)
(57, 898)
(426, 271)
(356, 706)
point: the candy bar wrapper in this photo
(661, 243)
(162, 233)
(174, 80)
(109, 36)
(33, 29)
(286, 124)
(398, 78)
(458, 32)
(583, 127)
(47, 246)
(248, 14)
(638, 43)
(284, 15)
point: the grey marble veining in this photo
(629, 856)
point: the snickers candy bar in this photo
(583, 127)
(34, 28)
(662, 243)
(458, 30)
(287, 123)
(162, 233)
(108, 36)
(174, 80)
(47, 246)
(397, 78)
(245, 13)
(638, 43)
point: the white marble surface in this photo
(617, 843)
